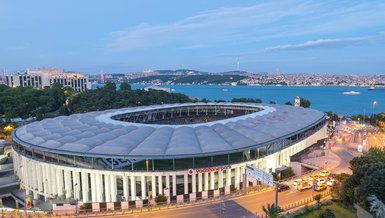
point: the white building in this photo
(132, 154)
(44, 77)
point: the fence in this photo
(304, 201)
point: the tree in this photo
(304, 103)
(343, 189)
(272, 211)
(332, 116)
(317, 198)
(327, 214)
(376, 206)
(288, 103)
(109, 86)
(125, 86)
(246, 100)
(374, 184)
(160, 198)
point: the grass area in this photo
(338, 209)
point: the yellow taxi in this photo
(313, 177)
(324, 173)
(321, 187)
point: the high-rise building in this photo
(46, 77)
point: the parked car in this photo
(283, 187)
(313, 177)
(304, 185)
(325, 173)
(320, 181)
(331, 182)
(321, 187)
(297, 182)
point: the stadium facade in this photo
(180, 149)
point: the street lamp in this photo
(374, 105)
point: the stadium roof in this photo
(96, 134)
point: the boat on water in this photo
(351, 93)
(373, 88)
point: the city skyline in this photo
(292, 36)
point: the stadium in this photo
(184, 151)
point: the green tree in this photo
(109, 86)
(272, 211)
(374, 184)
(125, 86)
(246, 100)
(304, 103)
(160, 198)
(343, 189)
(327, 214)
(317, 198)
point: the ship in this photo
(351, 93)
(373, 88)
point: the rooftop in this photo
(97, 134)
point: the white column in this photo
(228, 177)
(206, 175)
(67, 183)
(47, 179)
(237, 176)
(39, 178)
(99, 188)
(200, 183)
(143, 186)
(85, 185)
(212, 180)
(133, 188)
(45, 183)
(59, 179)
(153, 186)
(194, 182)
(220, 179)
(53, 181)
(174, 185)
(168, 182)
(125, 188)
(76, 184)
(26, 170)
(241, 172)
(94, 186)
(160, 184)
(185, 183)
(113, 188)
(107, 187)
(34, 177)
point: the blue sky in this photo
(124, 36)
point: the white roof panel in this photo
(97, 133)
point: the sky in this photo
(93, 36)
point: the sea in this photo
(324, 98)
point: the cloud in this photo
(319, 43)
(329, 43)
(251, 25)
(23, 46)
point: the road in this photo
(244, 206)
